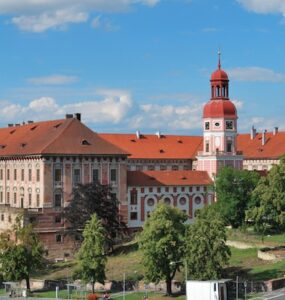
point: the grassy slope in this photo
(127, 259)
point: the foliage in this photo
(20, 252)
(234, 189)
(91, 198)
(269, 213)
(206, 249)
(91, 256)
(162, 243)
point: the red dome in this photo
(219, 75)
(219, 109)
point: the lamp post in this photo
(185, 267)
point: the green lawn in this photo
(249, 236)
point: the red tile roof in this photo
(153, 147)
(66, 136)
(274, 147)
(168, 178)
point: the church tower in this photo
(220, 128)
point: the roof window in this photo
(85, 143)
(161, 151)
(180, 141)
(33, 128)
(133, 141)
(2, 146)
(57, 125)
(12, 131)
(23, 145)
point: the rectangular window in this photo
(38, 200)
(113, 175)
(134, 215)
(2, 217)
(8, 197)
(30, 200)
(1, 174)
(134, 198)
(95, 175)
(174, 168)
(57, 175)
(207, 147)
(38, 175)
(207, 125)
(57, 200)
(22, 174)
(15, 174)
(150, 168)
(58, 238)
(57, 219)
(8, 174)
(30, 174)
(197, 188)
(76, 176)
(163, 167)
(15, 198)
(229, 146)
(1, 196)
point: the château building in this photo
(41, 162)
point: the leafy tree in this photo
(91, 256)
(91, 198)
(21, 252)
(162, 244)
(234, 189)
(268, 214)
(206, 249)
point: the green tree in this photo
(91, 256)
(21, 253)
(162, 244)
(234, 189)
(91, 198)
(268, 214)
(206, 249)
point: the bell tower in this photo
(219, 127)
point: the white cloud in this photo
(168, 117)
(104, 23)
(264, 6)
(238, 104)
(53, 80)
(41, 15)
(112, 107)
(256, 74)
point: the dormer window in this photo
(85, 143)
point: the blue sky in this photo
(140, 64)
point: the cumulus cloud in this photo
(154, 116)
(256, 74)
(41, 15)
(264, 6)
(53, 80)
(112, 107)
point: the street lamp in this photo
(185, 266)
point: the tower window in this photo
(207, 125)
(207, 147)
(229, 146)
(229, 125)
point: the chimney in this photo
(158, 134)
(275, 131)
(77, 116)
(138, 134)
(252, 133)
(263, 139)
(10, 125)
(69, 116)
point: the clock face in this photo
(229, 125)
(217, 124)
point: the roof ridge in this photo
(59, 133)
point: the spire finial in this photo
(219, 63)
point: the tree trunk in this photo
(28, 283)
(93, 287)
(168, 287)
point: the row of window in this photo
(13, 198)
(77, 175)
(22, 174)
(229, 125)
(229, 146)
(3, 218)
(161, 167)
